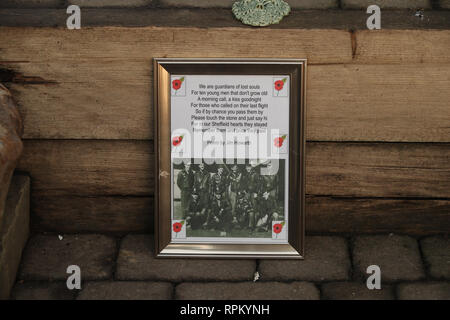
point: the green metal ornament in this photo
(260, 13)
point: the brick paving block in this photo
(20, 4)
(313, 4)
(126, 290)
(197, 3)
(47, 258)
(386, 4)
(326, 258)
(397, 256)
(355, 291)
(436, 251)
(39, 290)
(137, 262)
(444, 4)
(424, 291)
(247, 291)
(110, 3)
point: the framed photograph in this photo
(230, 157)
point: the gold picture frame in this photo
(163, 68)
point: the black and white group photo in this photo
(231, 200)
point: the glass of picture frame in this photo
(230, 157)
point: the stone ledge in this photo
(14, 232)
(221, 18)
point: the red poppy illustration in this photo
(177, 226)
(176, 84)
(277, 228)
(279, 84)
(177, 140)
(278, 142)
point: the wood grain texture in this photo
(355, 215)
(396, 103)
(92, 167)
(104, 43)
(378, 170)
(89, 167)
(70, 214)
(402, 46)
(345, 102)
(96, 83)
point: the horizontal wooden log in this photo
(211, 18)
(92, 214)
(354, 215)
(378, 170)
(108, 167)
(69, 214)
(397, 103)
(402, 46)
(86, 110)
(96, 83)
(112, 100)
(89, 167)
(49, 44)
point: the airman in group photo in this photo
(223, 199)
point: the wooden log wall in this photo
(378, 121)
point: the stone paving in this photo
(334, 268)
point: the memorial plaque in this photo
(229, 147)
